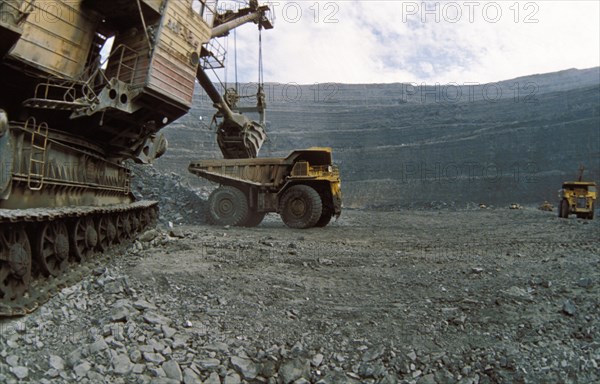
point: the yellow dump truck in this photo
(578, 197)
(304, 188)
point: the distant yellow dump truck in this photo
(578, 197)
(304, 188)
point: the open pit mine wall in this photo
(399, 146)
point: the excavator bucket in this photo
(241, 143)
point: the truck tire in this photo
(325, 217)
(563, 209)
(254, 219)
(560, 204)
(301, 207)
(227, 206)
(591, 214)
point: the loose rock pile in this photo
(178, 203)
(108, 330)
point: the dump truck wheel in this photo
(560, 205)
(254, 219)
(563, 209)
(325, 217)
(227, 206)
(590, 215)
(301, 207)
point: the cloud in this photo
(432, 41)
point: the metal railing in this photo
(81, 92)
(121, 50)
(216, 57)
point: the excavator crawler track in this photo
(43, 250)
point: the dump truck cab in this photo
(314, 167)
(578, 197)
(304, 188)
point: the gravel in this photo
(467, 296)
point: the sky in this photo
(417, 41)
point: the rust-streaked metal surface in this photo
(11, 24)
(70, 117)
(52, 66)
(56, 37)
(39, 170)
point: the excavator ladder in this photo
(127, 181)
(37, 156)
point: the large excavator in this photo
(70, 116)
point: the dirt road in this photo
(438, 296)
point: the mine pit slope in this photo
(398, 146)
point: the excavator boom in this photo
(238, 136)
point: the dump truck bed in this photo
(266, 172)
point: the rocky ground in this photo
(178, 201)
(432, 296)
